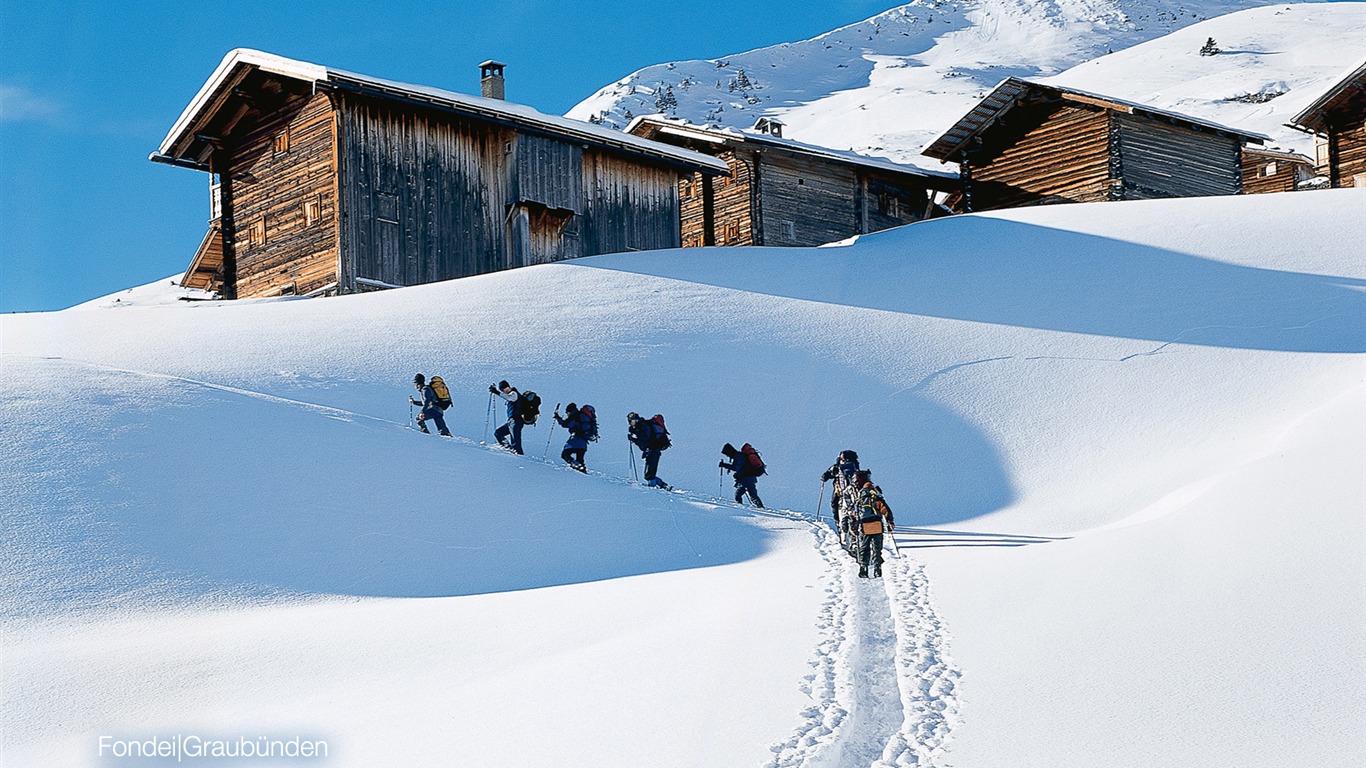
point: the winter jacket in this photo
(429, 399)
(840, 472)
(511, 398)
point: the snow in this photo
(889, 85)
(1275, 62)
(1122, 441)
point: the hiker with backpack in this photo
(652, 438)
(746, 467)
(522, 409)
(582, 425)
(842, 472)
(436, 398)
(874, 517)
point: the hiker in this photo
(746, 466)
(435, 399)
(872, 511)
(842, 472)
(651, 437)
(582, 425)
(522, 409)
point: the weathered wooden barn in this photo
(784, 192)
(326, 181)
(1028, 144)
(1338, 121)
(1274, 170)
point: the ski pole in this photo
(487, 417)
(820, 502)
(632, 452)
(551, 432)
(410, 413)
(720, 475)
(896, 550)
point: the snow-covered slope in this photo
(1274, 62)
(890, 84)
(1119, 440)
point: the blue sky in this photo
(87, 90)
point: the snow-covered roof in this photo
(1312, 118)
(1283, 154)
(1012, 89)
(242, 60)
(719, 135)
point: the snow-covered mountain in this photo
(890, 84)
(1122, 441)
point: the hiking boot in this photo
(863, 573)
(877, 572)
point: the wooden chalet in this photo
(1028, 144)
(785, 193)
(1274, 170)
(324, 181)
(1337, 119)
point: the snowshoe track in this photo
(883, 687)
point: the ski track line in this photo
(883, 686)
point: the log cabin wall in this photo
(282, 217)
(424, 195)
(630, 206)
(733, 201)
(805, 201)
(1041, 154)
(697, 209)
(886, 202)
(1264, 174)
(1347, 157)
(1158, 159)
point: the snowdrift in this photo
(220, 519)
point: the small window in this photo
(687, 188)
(733, 232)
(790, 230)
(1269, 169)
(281, 145)
(313, 211)
(801, 182)
(288, 289)
(256, 234)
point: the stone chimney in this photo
(491, 79)
(769, 125)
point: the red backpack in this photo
(756, 464)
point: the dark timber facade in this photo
(1031, 144)
(784, 193)
(329, 182)
(1338, 121)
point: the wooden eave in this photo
(232, 93)
(1013, 92)
(1317, 117)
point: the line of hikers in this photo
(861, 513)
(581, 422)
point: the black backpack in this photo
(528, 407)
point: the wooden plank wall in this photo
(1256, 180)
(206, 268)
(424, 195)
(1158, 159)
(630, 206)
(272, 188)
(548, 172)
(806, 201)
(889, 202)
(692, 209)
(1044, 154)
(1349, 156)
(735, 222)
